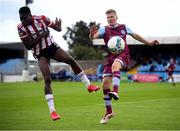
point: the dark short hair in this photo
(110, 11)
(24, 10)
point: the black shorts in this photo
(48, 52)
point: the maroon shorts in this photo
(170, 73)
(123, 58)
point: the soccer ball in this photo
(116, 44)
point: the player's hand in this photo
(58, 24)
(154, 42)
(45, 33)
(93, 30)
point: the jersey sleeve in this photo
(101, 31)
(129, 31)
(47, 21)
(22, 34)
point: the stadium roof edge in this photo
(131, 41)
(2, 42)
(11, 45)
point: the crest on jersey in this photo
(123, 32)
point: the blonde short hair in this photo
(110, 11)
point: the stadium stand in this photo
(12, 66)
(144, 59)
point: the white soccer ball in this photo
(116, 44)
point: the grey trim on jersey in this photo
(101, 31)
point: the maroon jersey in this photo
(124, 56)
(171, 68)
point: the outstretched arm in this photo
(141, 39)
(93, 32)
(56, 25)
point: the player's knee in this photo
(115, 67)
(106, 84)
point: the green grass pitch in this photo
(142, 106)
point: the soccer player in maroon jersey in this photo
(35, 35)
(170, 69)
(114, 62)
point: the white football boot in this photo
(106, 117)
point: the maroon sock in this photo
(107, 100)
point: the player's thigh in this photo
(116, 66)
(63, 56)
(44, 66)
(106, 83)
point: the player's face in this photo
(26, 19)
(171, 60)
(111, 19)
